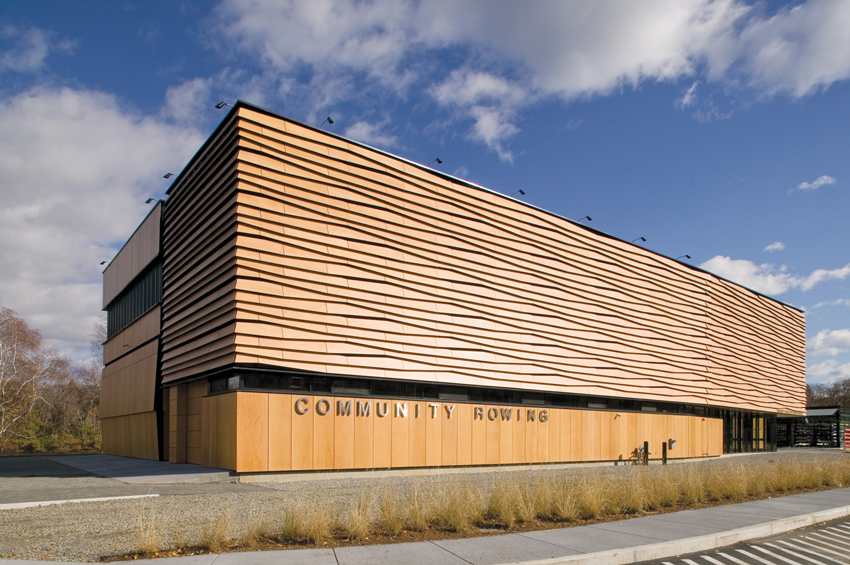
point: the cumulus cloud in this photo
(775, 246)
(188, 102)
(76, 170)
(839, 302)
(371, 134)
(828, 372)
(564, 49)
(829, 343)
(816, 184)
(29, 48)
(767, 279)
(491, 101)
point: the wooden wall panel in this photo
(356, 259)
(133, 435)
(258, 432)
(128, 385)
(137, 253)
(127, 340)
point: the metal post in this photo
(664, 453)
(646, 453)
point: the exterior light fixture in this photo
(639, 239)
(685, 256)
(520, 192)
(103, 262)
(588, 218)
(328, 120)
(221, 105)
(149, 200)
(167, 175)
(437, 160)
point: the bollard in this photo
(664, 453)
(646, 453)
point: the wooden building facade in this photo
(304, 279)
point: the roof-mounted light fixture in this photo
(588, 218)
(221, 105)
(520, 192)
(639, 239)
(167, 175)
(328, 120)
(103, 262)
(685, 256)
(437, 160)
(149, 200)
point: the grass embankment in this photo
(514, 502)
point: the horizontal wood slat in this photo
(137, 253)
(295, 249)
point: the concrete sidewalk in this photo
(142, 471)
(629, 541)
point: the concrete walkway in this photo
(142, 471)
(629, 541)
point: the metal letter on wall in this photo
(299, 409)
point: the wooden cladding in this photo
(134, 435)
(289, 247)
(257, 432)
(137, 253)
(141, 331)
(129, 384)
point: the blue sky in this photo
(716, 129)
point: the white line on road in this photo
(17, 505)
(821, 555)
(785, 559)
(797, 555)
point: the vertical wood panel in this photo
(401, 436)
(479, 439)
(506, 436)
(343, 432)
(302, 435)
(531, 436)
(252, 432)
(280, 432)
(433, 435)
(492, 438)
(383, 434)
(364, 437)
(449, 432)
(323, 438)
(554, 429)
(464, 434)
(418, 434)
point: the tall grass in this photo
(460, 506)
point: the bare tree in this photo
(98, 337)
(24, 366)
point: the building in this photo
(302, 302)
(822, 426)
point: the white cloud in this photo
(567, 49)
(838, 302)
(491, 101)
(75, 173)
(827, 372)
(765, 278)
(188, 102)
(817, 183)
(29, 50)
(371, 134)
(829, 342)
(775, 246)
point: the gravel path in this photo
(87, 531)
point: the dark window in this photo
(139, 297)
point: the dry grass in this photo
(420, 509)
(214, 535)
(357, 522)
(391, 514)
(514, 498)
(148, 539)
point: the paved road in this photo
(823, 544)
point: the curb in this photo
(693, 545)
(19, 505)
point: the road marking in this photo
(756, 557)
(829, 537)
(17, 505)
(821, 555)
(689, 562)
(733, 559)
(712, 560)
(785, 559)
(797, 555)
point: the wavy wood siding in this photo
(137, 253)
(289, 247)
(257, 432)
